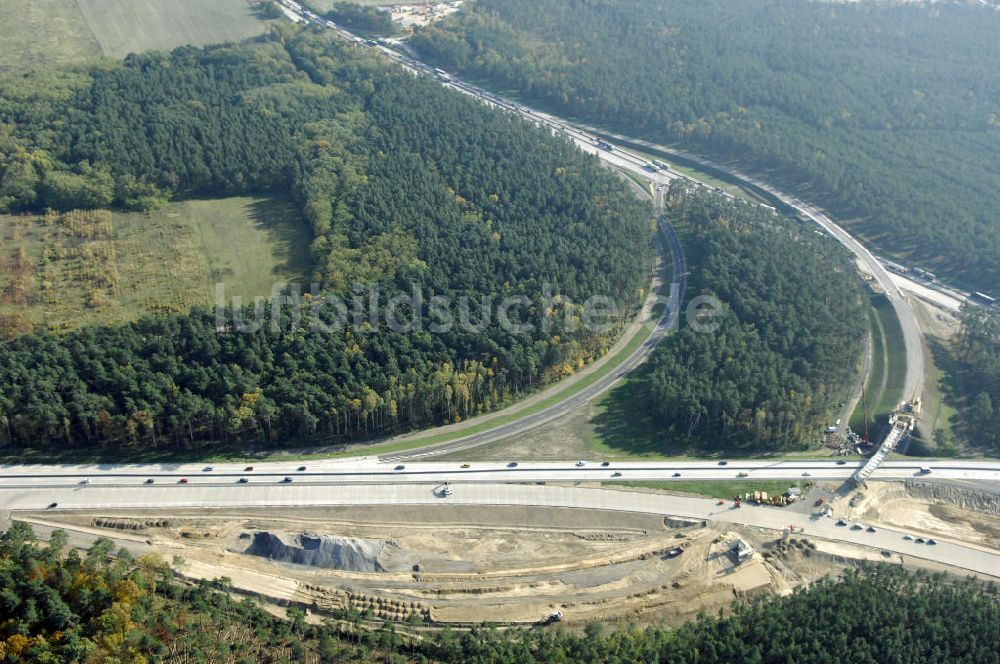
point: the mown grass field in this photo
(888, 372)
(62, 271)
(44, 32)
(876, 379)
(724, 489)
(895, 355)
(126, 26)
(58, 32)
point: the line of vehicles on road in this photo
(511, 465)
(398, 468)
(871, 529)
(978, 297)
(445, 78)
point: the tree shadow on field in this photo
(953, 392)
(627, 423)
(288, 233)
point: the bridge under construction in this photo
(901, 424)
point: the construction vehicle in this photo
(553, 617)
(674, 552)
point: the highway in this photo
(948, 300)
(369, 470)
(114, 500)
(394, 479)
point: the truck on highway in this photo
(895, 267)
(660, 165)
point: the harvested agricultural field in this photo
(131, 26)
(44, 32)
(63, 270)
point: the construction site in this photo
(460, 565)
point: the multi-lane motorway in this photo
(120, 499)
(369, 470)
(396, 480)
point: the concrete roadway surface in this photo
(112, 500)
(369, 471)
(947, 300)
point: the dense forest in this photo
(407, 188)
(365, 19)
(788, 339)
(886, 113)
(977, 351)
(58, 605)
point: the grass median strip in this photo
(724, 489)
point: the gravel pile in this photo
(344, 553)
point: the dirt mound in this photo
(987, 502)
(344, 553)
